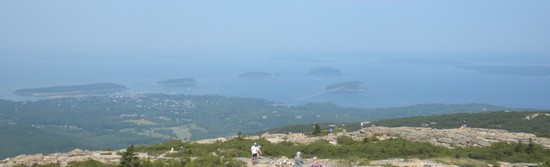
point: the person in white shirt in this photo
(255, 150)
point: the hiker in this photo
(316, 163)
(259, 148)
(463, 126)
(298, 160)
(255, 152)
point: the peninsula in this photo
(72, 90)
(344, 87)
(351, 86)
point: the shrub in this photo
(128, 158)
(88, 163)
(317, 130)
(345, 140)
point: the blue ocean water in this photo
(387, 83)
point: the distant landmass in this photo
(509, 69)
(325, 72)
(72, 90)
(178, 82)
(343, 87)
(351, 86)
(302, 59)
(424, 61)
(255, 75)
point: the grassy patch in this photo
(461, 161)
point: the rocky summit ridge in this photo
(459, 137)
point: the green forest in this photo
(529, 122)
(513, 121)
(100, 122)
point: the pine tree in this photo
(519, 146)
(240, 136)
(317, 130)
(530, 147)
(128, 158)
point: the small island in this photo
(325, 72)
(255, 75)
(72, 90)
(178, 82)
(351, 86)
(343, 87)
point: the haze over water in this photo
(389, 81)
(406, 52)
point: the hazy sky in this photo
(136, 27)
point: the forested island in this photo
(178, 82)
(344, 87)
(72, 90)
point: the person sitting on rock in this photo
(316, 163)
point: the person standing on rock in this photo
(259, 149)
(361, 125)
(298, 160)
(464, 124)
